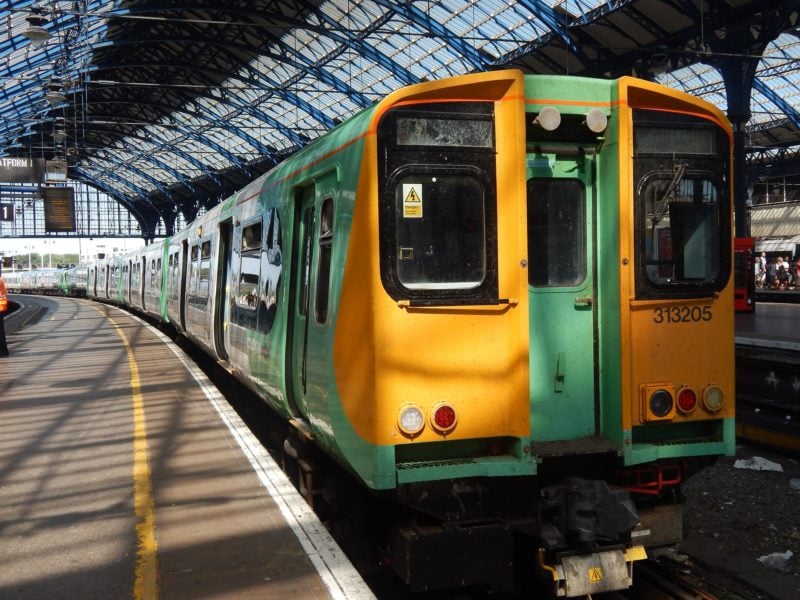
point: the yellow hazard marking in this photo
(595, 575)
(145, 586)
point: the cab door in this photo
(561, 288)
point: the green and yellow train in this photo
(502, 301)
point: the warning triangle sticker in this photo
(412, 196)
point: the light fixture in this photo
(548, 118)
(36, 32)
(54, 92)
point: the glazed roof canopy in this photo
(169, 107)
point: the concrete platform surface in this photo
(123, 474)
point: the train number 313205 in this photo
(682, 314)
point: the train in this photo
(61, 281)
(501, 302)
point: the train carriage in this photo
(492, 299)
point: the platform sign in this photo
(6, 212)
(21, 170)
(55, 171)
(59, 209)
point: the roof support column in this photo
(738, 73)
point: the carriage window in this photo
(272, 261)
(247, 292)
(325, 251)
(556, 232)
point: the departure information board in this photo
(59, 209)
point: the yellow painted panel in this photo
(476, 358)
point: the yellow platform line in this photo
(145, 585)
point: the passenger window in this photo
(556, 232)
(247, 291)
(272, 261)
(324, 267)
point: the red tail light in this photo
(443, 417)
(687, 400)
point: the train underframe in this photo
(572, 534)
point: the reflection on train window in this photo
(324, 267)
(194, 275)
(305, 266)
(681, 229)
(249, 266)
(271, 261)
(556, 232)
(441, 232)
(205, 266)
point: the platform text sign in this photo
(59, 209)
(21, 170)
(6, 212)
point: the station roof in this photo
(170, 107)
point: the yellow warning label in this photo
(412, 200)
(595, 575)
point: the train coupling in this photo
(586, 574)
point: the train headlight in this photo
(411, 420)
(687, 400)
(713, 398)
(658, 402)
(443, 417)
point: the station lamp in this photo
(36, 31)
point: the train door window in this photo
(324, 266)
(305, 265)
(174, 274)
(247, 288)
(194, 272)
(556, 232)
(204, 271)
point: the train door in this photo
(222, 305)
(299, 317)
(562, 295)
(184, 262)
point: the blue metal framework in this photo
(170, 107)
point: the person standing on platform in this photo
(3, 309)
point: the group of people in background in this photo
(778, 273)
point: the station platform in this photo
(123, 473)
(770, 325)
(768, 376)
